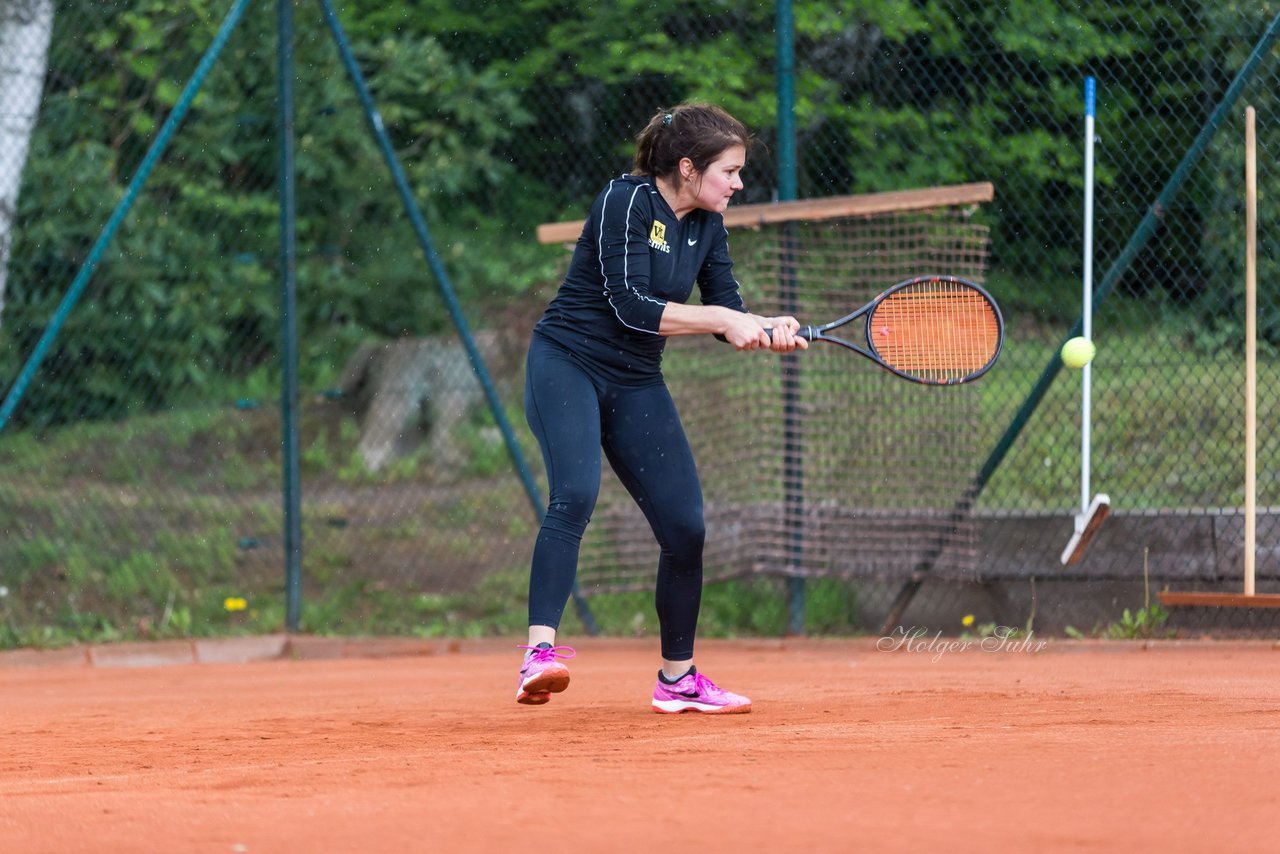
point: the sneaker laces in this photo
(550, 653)
(704, 685)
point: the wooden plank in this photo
(1220, 600)
(809, 210)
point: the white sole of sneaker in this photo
(675, 707)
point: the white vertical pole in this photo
(1090, 98)
(1250, 348)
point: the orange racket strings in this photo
(935, 330)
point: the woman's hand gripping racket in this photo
(937, 330)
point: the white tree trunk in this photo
(25, 27)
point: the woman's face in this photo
(720, 180)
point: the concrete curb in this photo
(244, 650)
(238, 650)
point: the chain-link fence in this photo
(140, 459)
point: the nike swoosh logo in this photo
(691, 242)
(686, 693)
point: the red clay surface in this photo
(1079, 747)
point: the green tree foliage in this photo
(981, 91)
(188, 294)
(889, 96)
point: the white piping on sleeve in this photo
(626, 261)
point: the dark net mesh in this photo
(858, 477)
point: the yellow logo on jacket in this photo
(658, 237)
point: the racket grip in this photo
(808, 333)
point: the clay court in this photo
(1167, 746)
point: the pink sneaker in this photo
(696, 693)
(541, 674)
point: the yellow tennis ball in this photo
(1078, 352)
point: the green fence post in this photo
(292, 489)
(792, 443)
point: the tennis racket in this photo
(936, 330)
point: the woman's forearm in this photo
(680, 319)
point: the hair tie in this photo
(666, 120)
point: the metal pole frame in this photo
(289, 394)
(793, 437)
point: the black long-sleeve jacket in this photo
(632, 257)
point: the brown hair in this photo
(700, 132)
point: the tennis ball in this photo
(1078, 352)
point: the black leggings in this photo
(573, 413)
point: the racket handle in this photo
(808, 333)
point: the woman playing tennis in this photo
(594, 380)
